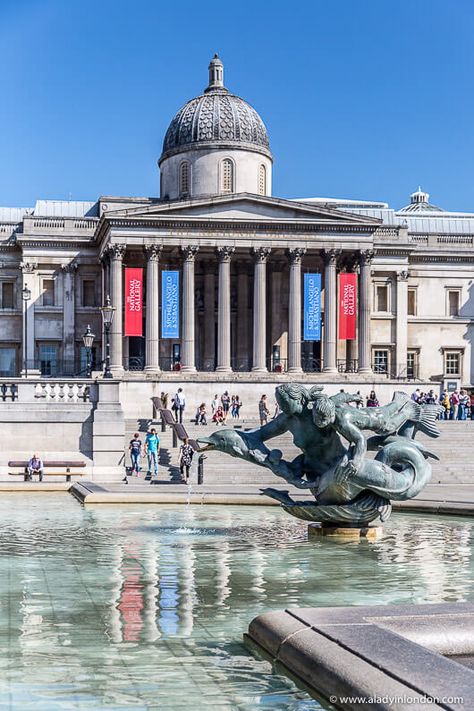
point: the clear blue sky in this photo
(362, 98)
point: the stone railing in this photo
(55, 390)
(63, 392)
(59, 225)
(434, 240)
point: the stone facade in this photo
(242, 255)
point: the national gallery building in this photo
(217, 276)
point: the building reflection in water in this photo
(158, 586)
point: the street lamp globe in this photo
(107, 312)
(88, 337)
(26, 293)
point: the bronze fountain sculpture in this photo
(349, 489)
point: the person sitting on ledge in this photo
(35, 466)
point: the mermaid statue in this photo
(348, 488)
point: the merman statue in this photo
(349, 489)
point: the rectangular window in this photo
(452, 363)
(453, 303)
(411, 308)
(381, 361)
(48, 356)
(48, 292)
(8, 297)
(381, 298)
(7, 362)
(412, 364)
(88, 293)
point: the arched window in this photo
(227, 176)
(262, 180)
(184, 179)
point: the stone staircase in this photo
(456, 465)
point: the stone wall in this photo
(74, 420)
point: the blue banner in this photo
(312, 307)
(170, 304)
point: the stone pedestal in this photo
(108, 433)
(345, 533)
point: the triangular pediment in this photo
(245, 206)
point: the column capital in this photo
(116, 252)
(296, 254)
(366, 256)
(189, 252)
(153, 252)
(224, 253)
(261, 254)
(330, 256)
(69, 268)
(28, 267)
(402, 275)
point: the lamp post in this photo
(88, 339)
(107, 312)
(26, 296)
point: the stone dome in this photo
(216, 119)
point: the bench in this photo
(65, 465)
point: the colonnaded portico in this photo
(241, 299)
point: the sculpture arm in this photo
(345, 397)
(353, 435)
(274, 428)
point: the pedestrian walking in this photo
(152, 450)
(215, 403)
(463, 404)
(201, 414)
(179, 404)
(237, 407)
(35, 466)
(454, 402)
(135, 449)
(185, 459)
(446, 405)
(263, 410)
(225, 400)
(164, 397)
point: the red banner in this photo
(133, 302)
(347, 306)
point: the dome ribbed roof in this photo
(216, 117)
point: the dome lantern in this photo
(216, 74)
(212, 134)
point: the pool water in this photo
(144, 607)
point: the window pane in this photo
(7, 295)
(411, 302)
(48, 292)
(7, 362)
(453, 297)
(184, 179)
(88, 293)
(411, 361)
(380, 361)
(48, 353)
(453, 361)
(262, 180)
(382, 298)
(227, 176)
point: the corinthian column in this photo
(224, 255)
(187, 343)
(69, 311)
(260, 309)
(209, 344)
(294, 311)
(330, 312)
(152, 316)
(402, 324)
(364, 312)
(116, 252)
